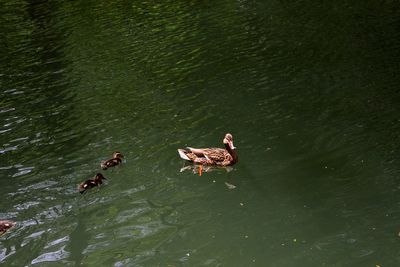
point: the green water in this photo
(308, 90)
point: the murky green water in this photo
(308, 90)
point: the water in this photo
(308, 90)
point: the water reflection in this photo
(36, 96)
(199, 169)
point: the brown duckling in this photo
(212, 156)
(98, 180)
(116, 160)
(5, 226)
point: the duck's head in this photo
(5, 225)
(99, 177)
(8, 224)
(117, 155)
(228, 140)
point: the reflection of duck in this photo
(116, 160)
(98, 180)
(206, 168)
(212, 156)
(5, 226)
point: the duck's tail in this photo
(182, 154)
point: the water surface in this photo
(308, 90)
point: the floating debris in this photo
(230, 186)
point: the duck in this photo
(212, 156)
(116, 160)
(96, 181)
(5, 226)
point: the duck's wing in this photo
(197, 151)
(227, 160)
(215, 154)
(191, 153)
(218, 156)
(202, 152)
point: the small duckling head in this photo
(117, 155)
(99, 177)
(5, 225)
(8, 224)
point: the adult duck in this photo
(96, 181)
(116, 160)
(212, 156)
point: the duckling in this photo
(116, 160)
(5, 226)
(98, 180)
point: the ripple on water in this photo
(57, 241)
(36, 186)
(33, 236)
(53, 256)
(23, 171)
(6, 252)
(26, 205)
(131, 214)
